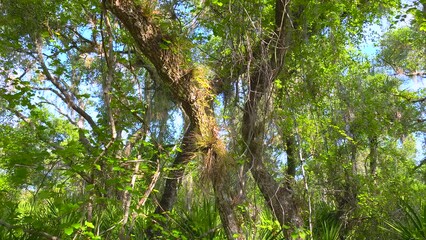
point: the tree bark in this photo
(178, 169)
(279, 196)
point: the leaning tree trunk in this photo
(190, 88)
(279, 196)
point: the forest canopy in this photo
(212, 119)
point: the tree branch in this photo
(60, 111)
(66, 97)
(108, 49)
(419, 100)
(422, 162)
(30, 231)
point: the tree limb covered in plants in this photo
(189, 87)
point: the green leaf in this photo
(89, 224)
(68, 231)
(167, 41)
(218, 3)
(164, 46)
(76, 225)
(98, 167)
(423, 27)
(89, 234)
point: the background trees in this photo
(208, 119)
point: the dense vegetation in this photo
(212, 119)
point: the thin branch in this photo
(128, 199)
(88, 41)
(59, 111)
(139, 134)
(422, 162)
(139, 118)
(108, 49)
(30, 231)
(192, 25)
(22, 117)
(148, 67)
(419, 100)
(67, 98)
(147, 193)
(57, 93)
(150, 187)
(44, 179)
(103, 153)
(83, 138)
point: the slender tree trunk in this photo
(183, 157)
(279, 197)
(374, 155)
(127, 200)
(291, 157)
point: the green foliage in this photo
(353, 126)
(267, 228)
(413, 223)
(200, 221)
(327, 223)
(403, 49)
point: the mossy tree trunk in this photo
(189, 87)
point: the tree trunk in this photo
(190, 88)
(374, 155)
(170, 190)
(279, 197)
(291, 157)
